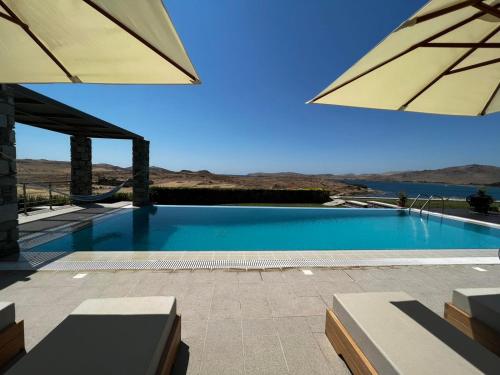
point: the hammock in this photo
(89, 198)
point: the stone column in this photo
(9, 233)
(81, 165)
(140, 171)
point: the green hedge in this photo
(163, 195)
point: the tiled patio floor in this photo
(250, 322)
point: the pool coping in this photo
(266, 259)
(177, 260)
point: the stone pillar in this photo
(81, 165)
(9, 233)
(140, 171)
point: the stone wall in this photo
(140, 171)
(81, 165)
(8, 193)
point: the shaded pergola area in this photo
(22, 105)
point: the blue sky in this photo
(259, 61)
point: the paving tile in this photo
(223, 290)
(317, 323)
(304, 289)
(336, 363)
(223, 349)
(249, 277)
(292, 326)
(194, 328)
(193, 311)
(272, 276)
(225, 308)
(279, 290)
(157, 278)
(332, 287)
(263, 352)
(228, 327)
(223, 312)
(116, 290)
(222, 367)
(303, 355)
(252, 291)
(277, 370)
(255, 308)
(305, 306)
(258, 327)
(144, 289)
(223, 276)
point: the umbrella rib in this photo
(42, 46)
(449, 68)
(13, 20)
(406, 51)
(461, 45)
(488, 9)
(474, 66)
(490, 99)
(439, 13)
(139, 38)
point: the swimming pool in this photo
(202, 228)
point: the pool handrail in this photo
(411, 205)
(430, 198)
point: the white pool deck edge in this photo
(176, 260)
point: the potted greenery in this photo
(402, 199)
(480, 201)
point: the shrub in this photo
(402, 199)
(207, 196)
(480, 201)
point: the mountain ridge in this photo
(470, 174)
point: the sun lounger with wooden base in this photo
(392, 333)
(137, 335)
(11, 335)
(476, 312)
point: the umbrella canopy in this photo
(445, 59)
(91, 41)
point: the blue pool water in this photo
(256, 228)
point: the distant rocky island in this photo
(473, 174)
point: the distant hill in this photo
(473, 174)
(50, 170)
(56, 171)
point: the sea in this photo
(412, 189)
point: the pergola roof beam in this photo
(32, 108)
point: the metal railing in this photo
(429, 199)
(413, 203)
(41, 194)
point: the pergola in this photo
(22, 105)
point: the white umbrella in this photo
(91, 41)
(445, 59)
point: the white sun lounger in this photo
(392, 333)
(11, 334)
(109, 336)
(476, 312)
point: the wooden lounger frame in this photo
(346, 347)
(11, 344)
(171, 347)
(473, 328)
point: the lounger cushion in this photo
(481, 303)
(105, 336)
(7, 314)
(399, 335)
